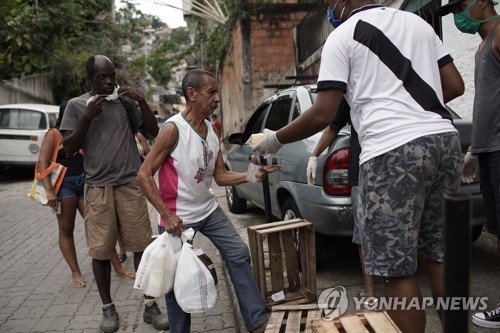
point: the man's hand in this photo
(130, 93)
(469, 170)
(311, 170)
(94, 106)
(173, 224)
(268, 145)
(258, 172)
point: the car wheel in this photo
(476, 232)
(290, 210)
(235, 204)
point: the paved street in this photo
(36, 294)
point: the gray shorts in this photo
(400, 209)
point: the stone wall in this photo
(262, 53)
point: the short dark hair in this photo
(194, 79)
(89, 66)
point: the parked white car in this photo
(22, 128)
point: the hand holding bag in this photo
(55, 171)
(156, 271)
(195, 282)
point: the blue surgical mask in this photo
(330, 14)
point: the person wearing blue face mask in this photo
(393, 71)
(479, 16)
(330, 14)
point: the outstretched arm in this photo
(224, 177)
(329, 134)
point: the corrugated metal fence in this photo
(30, 89)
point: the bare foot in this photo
(77, 280)
(126, 273)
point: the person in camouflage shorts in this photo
(397, 87)
(401, 212)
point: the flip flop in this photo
(127, 273)
(77, 281)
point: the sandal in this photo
(77, 281)
(127, 273)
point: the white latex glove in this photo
(311, 170)
(268, 145)
(469, 170)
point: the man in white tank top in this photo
(187, 157)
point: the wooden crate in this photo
(307, 319)
(284, 260)
(292, 318)
(377, 322)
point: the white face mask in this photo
(114, 95)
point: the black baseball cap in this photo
(446, 9)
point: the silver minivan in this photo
(22, 128)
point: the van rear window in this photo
(22, 119)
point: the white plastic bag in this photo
(156, 273)
(194, 286)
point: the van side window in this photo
(22, 119)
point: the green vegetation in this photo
(215, 42)
(57, 36)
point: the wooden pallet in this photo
(306, 318)
(284, 261)
(292, 318)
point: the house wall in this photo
(262, 53)
(232, 113)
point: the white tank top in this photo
(185, 177)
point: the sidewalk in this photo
(36, 294)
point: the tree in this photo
(168, 53)
(57, 36)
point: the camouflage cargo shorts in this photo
(400, 211)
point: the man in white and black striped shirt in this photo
(393, 71)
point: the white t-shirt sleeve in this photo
(335, 59)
